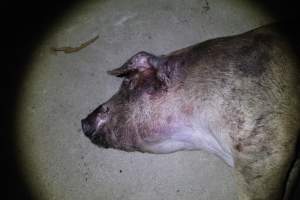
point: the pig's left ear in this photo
(137, 63)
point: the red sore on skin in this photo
(238, 147)
(187, 109)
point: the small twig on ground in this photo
(75, 49)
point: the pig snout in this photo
(87, 128)
(94, 121)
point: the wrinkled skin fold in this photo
(236, 97)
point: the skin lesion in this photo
(238, 147)
(187, 109)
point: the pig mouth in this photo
(96, 136)
(100, 140)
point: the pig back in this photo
(243, 83)
(247, 87)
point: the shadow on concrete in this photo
(25, 24)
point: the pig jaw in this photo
(189, 139)
(169, 124)
(159, 139)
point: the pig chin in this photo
(108, 139)
(105, 138)
(99, 138)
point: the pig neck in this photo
(198, 122)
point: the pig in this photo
(237, 97)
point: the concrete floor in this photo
(59, 162)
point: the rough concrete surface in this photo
(60, 89)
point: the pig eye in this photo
(130, 83)
(130, 63)
(104, 109)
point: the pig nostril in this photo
(86, 128)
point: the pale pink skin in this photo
(154, 112)
(237, 97)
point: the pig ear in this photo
(137, 63)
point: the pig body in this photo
(237, 97)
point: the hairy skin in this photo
(237, 97)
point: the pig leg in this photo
(262, 169)
(268, 185)
(293, 179)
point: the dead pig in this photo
(237, 97)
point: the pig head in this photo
(142, 115)
(237, 97)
